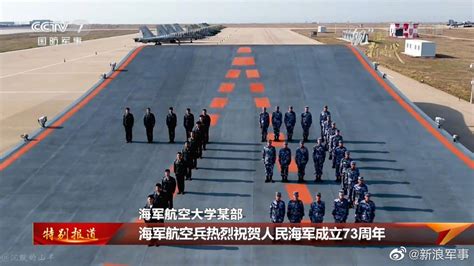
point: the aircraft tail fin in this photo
(178, 28)
(146, 33)
(161, 30)
(169, 28)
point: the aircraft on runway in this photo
(168, 33)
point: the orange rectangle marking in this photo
(257, 87)
(278, 144)
(305, 195)
(262, 102)
(214, 119)
(244, 50)
(233, 74)
(226, 87)
(252, 73)
(243, 61)
(293, 168)
(219, 102)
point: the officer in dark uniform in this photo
(323, 116)
(306, 121)
(334, 141)
(326, 126)
(277, 119)
(295, 211)
(204, 132)
(317, 210)
(169, 186)
(290, 122)
(161, 199)
(345, 163)
(269, 158)
(349, 179)
(284, 158)
(171, 122)
(206, 123)
(365, 211)
(341, 208)
(149, 122)
(150, 204)
(199, 135)
(194, 147)
(188, 122)
(277, 209)
(188, 159)
(264, 120)
(331, 131)
(319, 156)
(338, 154)
(358, 191)
(128, 121)
(180, 170)
(301, 159)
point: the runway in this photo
(83, 170)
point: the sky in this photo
(237, 11)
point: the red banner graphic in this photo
(325, 234)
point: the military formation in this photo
(364, 210)
(354, 193)
(197, 136)
(200, 128)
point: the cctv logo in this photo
(47, 26)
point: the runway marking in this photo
(257, 87)
(243, 61)
(244, 50)
(278, 144)
(226, 87)
(13, 157)
(305, 195)
(55, 64)
(233, 74)
(214, 119)
(219, 102)
(262, 102)
(252, 73)
(468, 161)
(40, 92)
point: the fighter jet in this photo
(149, 37)
(168, 33)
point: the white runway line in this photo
(36, 92)
(55, 64)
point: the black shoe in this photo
(271, 180)
(182, 193)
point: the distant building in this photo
(420, 48)
(321, 28)
(7, 23)
(404, 30)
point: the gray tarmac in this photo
(84, 171)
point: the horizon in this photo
(249, 12)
